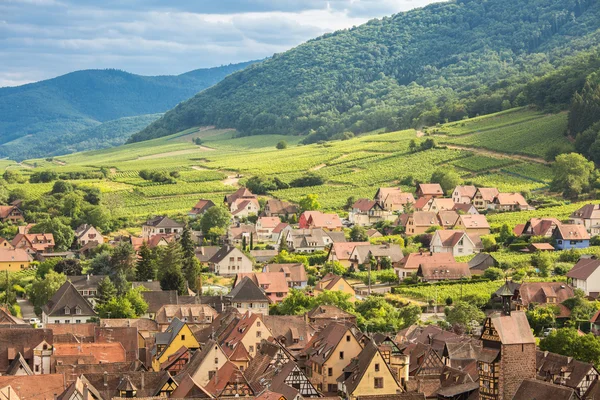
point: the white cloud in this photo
(43, 38)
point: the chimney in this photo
(105, 379)
(142, 382)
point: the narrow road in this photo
(26, 309)
(497, 154)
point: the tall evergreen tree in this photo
(122, 259)
(146, 266)
(106, 291)
(585, 106)
(191, 264)
(283, 244)
(170, 268)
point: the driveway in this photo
(26, 309)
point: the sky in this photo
(41, 39)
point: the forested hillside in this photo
(42, 111)
(442, 62)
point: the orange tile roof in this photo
(35, 387)
(343, 250)
(103, 352)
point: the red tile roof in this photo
(35, 387)
(103, 352)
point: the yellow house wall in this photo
(251, 339)
(351, 349)
(208, 364)
(367, 383)
(342, 286)
(188, 341)
(13, 266)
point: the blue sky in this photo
(41, 39)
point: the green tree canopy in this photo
(572, 174)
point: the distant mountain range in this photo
(67, 111)
(443, 62)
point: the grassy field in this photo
(355, 167)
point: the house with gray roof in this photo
(67, 306)
(247, 296)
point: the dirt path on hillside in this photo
(199, 168)
(318, 167)
(420, 133)
(175, 153)
(232, 180)
(497, 154)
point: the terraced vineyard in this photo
(354, 167)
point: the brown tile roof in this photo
(39, 242)
(228, 373)
(126, 336)
(148, 383)
(270, 282)
(156, 299)
(329, 312)
(435, 271)
(5, 211)
(344, 250)
(447, 218)
(279, 228)
(413, 260)
(399, 198)
(16, 255)
(466, 191)
(242, 204)
(539, 226)
(541, 246)
(430, 189)
(488, 194)
(539, 292)
(463, 207)
(587, 211)
(474, 221)
(297, 272)
(323, 342)
(205, 253)
(188, 388)
(74, 370)
(35, 387)
(292, 331)
(269, 222)
(536, 389)
(443, 204)
(512, 329)
(422, 202)
(269, 395)
(365, 205)
(164, 222)
(142, 324)
(424, 218)
(571, 232)
(6, 318)
(509, 199)
(276, 206)
(191, 313)
(355, 371)
(239, 194)
(584, 268)
(449, 238)
(84, 332)
(103, 352)
(201, 206)
(550, 365)
(21, 340)
(68, 296)
(519, 229)
(324, 221)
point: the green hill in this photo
(41, 111)
(442, 62)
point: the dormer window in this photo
(67, 310)
(77, 310)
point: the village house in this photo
(508, 355)
(236, 235)
(247, 296)
(464, 194)
(86, 233)
(141, 384)
(462, 208)
(161, 225)
(279, 232)
(335, 283)
(244, 208)
(322, 315)
(274, 284)
(204, 364)
(200, 208)
(67, 306)
(177, 335)
(367, 212)
(540, 226)
(263, 256)
(435, 272)
(456, 242)
(229, 261)
(566, 371)
(422, 204)
(368, 374)
(484, 197)
(265, 227)
(33, 345)
(249, 331)
(11, 214)
(381, 253)
(585, 275)
(317, 219)
(34, 242)
(531, 388)
(544, 293)
(229, 382)
(279, 208)
(588, 216)
(481, 262)
(509, 202)
(97, 353)
(447, 219)
(341, 252)
(419, 222)
(241, 193)
(14, 260)
(311, 240)
(473, 224)
(410, 263)
(292, 333)
(438, 204)
(429, 190)
(327, 354)
(569, 236)
(32, 387)
(393, 199)
(196, 316)
(87, 285)
(295, 274)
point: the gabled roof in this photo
(465, 191)
(268, 222)
(474, 221)
(430, 189)
(166, 337)
(424, 218)
(322, 344)
(17, 364)
(454, 270)
(188, 388)
(241, 193)
(6, 210)
(326, 221)
(35, 387)
(205, 253)
(392, 251)
(513, 328)
(201, 206)
(292, 331)
(276, 206)
(197, 359)
(449, 238)
(14, 255)
(163, 221)
(588, 211)
(584, 268)
(238, 232)
(551, 364)
(539, 292)
(270, 282)
(343, 250)
(488, 194)
(223, 253)
(480, 259)
(297, 271)
(6, 318)
(21, 340)
(510, 199)
(227, 374)
(358, 367)
(156, 299)
(102, 352)
(571, 232)
(246, 291)
(329, 312)
(413, 260)
(365, 205)
(448, 218)
(148, 383)
(536, 389)
(464, 207)
(539, 226)
(328, 282)
(68, 296)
